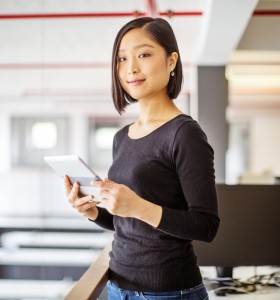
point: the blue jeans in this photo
(197, 293)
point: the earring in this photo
(172, 73)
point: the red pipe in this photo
(65, 65)
(42, 66)
(135, 14)
(71, 15)
(96, 15)
(171, 13)
(152, 8)
(266, 13)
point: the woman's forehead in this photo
(135, 38)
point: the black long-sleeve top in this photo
(171, 167)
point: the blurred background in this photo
(55, 99)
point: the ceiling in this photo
(65, 31)
(63, 47)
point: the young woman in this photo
(160, 193)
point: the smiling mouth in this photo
(136, 82)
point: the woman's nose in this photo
(133, 71)
(133, 68)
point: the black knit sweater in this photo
(171, 167)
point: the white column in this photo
(212, 100)
(79, 135)
(5, 142)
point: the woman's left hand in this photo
(118, 199)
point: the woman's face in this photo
(143, 66)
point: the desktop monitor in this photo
(249, 229)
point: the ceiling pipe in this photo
(134, 14)
(171, 13)
(72, 15)
(266, 13)
(65, 65)
(152, 8)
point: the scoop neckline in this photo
(152, 132)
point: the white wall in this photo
(39, 191)
(265, 145)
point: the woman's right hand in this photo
(81, 203)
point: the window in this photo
(104, 137)
(32, 138)
(44, 135)
(101, 143)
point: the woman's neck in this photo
(157, 111)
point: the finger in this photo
(105, 202)
(83, 200)
(105, 194)
(74, 192)
(77, 203)
(96, 183)
(108, 205)
(106, 185)
(108, 180)
(86, 206)
(67, 184)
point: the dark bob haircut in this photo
(161, 32)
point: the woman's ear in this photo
(172, 60)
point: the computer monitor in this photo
(249, 229)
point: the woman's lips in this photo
(136, 82)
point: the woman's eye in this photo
(144, 55)
(121, 59)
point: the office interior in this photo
(55, 99)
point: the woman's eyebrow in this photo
(143, 45)
(138, 47)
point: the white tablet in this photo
(77, 171)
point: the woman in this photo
(161, 193)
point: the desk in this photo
(267, 294)
(56, 240)
(243, 273)
(34, 289)
(62, 224)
